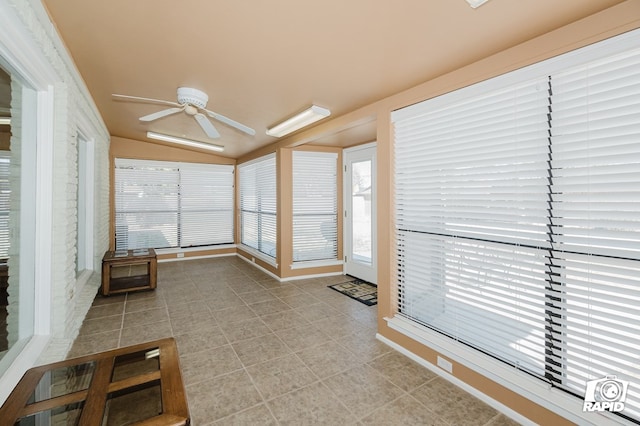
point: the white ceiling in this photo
(260, 61)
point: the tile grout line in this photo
(244, 368)
(124, 310)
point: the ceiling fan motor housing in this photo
(188, 95)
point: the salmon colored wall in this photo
(283, 164)
(199, 253)
(130, 148)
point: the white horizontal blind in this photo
(5, 203)
(146, 197)
(163, 204)
(596, 223)
(258, 204)
(518, 222)
(596, 151)
(206, 204)
(493, 147)
(315, 206)
(471, 183)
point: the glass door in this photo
(360, 212)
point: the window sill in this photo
(259, 255)
(194, 249)
(515, 380)
(82, 277)
(22, 356)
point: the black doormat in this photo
(359, 290)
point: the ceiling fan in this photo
(193, 102)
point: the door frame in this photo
(350, 155)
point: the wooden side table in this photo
(138, 384)
(129, 270)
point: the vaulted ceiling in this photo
(261, 61)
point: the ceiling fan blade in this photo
(230, 122)
(206, 125)
(160, 114)
(127, 98)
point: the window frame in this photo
(252, 185)
(174, 173)
(85, 207)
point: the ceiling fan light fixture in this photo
(189, 95)
(298, 121)
(185, 142)
(476, 3)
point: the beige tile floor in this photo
(254, 351)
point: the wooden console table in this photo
(129, 270)
(137, 385)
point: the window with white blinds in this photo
(206, 204)
(5, 203)
(315, 206)
(518, 220)
(164, 204)
(258, 204)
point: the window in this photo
(18, 201)
(163, 204)
(315, 207)
(5, 204)
(206, 205)
(84, 227)
(258, 200)
(517, 219)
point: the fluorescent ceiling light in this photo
(298, 121)
(476, 3)
(5, 121)
(186, 142)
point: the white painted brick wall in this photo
(69, 301)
